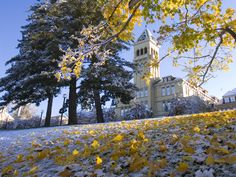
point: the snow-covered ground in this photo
(198, 145)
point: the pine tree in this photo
(107, 82)
(30, 79)
(72, 16)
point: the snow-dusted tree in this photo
(189, 105)
(71, 17)
(107, 81)
(30, 78)
(137, 111)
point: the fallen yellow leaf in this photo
(118, 138)
(210, 160)
(95, 144)
(75, 152)
(183, 167)
(98, 160)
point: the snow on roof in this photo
(230, 93)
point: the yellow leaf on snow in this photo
(118, 138)
(162, 163)
(196, 129)
(33, 170)
(7, 169)
(95, 144)
(231, 159)
(75, 152)
(210, 160)
(16, 173)
(65, 173)
(185, 140)
(98, 160)
(189, 150)
(163, 148)
(19, 158)
(183, 167)
(66, 142)
(91, 132)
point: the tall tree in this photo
(72, 16)
(109, 81)
(30, 79)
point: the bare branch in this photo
(205, 56)
(212, 59)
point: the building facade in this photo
(157, 92)
(228, 101)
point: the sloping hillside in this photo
(196, 145)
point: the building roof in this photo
(230, 93)
(146, 35)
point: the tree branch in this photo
(228, 30)
(212, 59)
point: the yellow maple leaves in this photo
(172, 142)
(118, 138)
(95, 144)
(98, 160)
(196, 129)
(182, 167)
(75, 152)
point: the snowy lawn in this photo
(202, 145)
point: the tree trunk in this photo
(98, 106)
(72, 102)
(49, 111)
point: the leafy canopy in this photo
(188, 25)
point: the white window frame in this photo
(146, 92)
(163, 91)
(232, 99)
(226, 100)
(141, 93)
(173, 89)
(168, 91)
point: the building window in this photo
(145, 50)
(168, 90)
(226, 99)
(166, 106)
(173, 89)
(163, 106)
(146, 92)
(141, 51)
(122, 112)
(137, 94)
(137, 53)
(163, 91)
(142, 93)
(232, 99)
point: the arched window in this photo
(145, 50)
(137, 52)
(151, 51)
(141, 51)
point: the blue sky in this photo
(13, 15)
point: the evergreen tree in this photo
(30, 79)
(107, 82)
(72, 16)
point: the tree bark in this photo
(98, 106)
(49, 111)
(72, 102)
